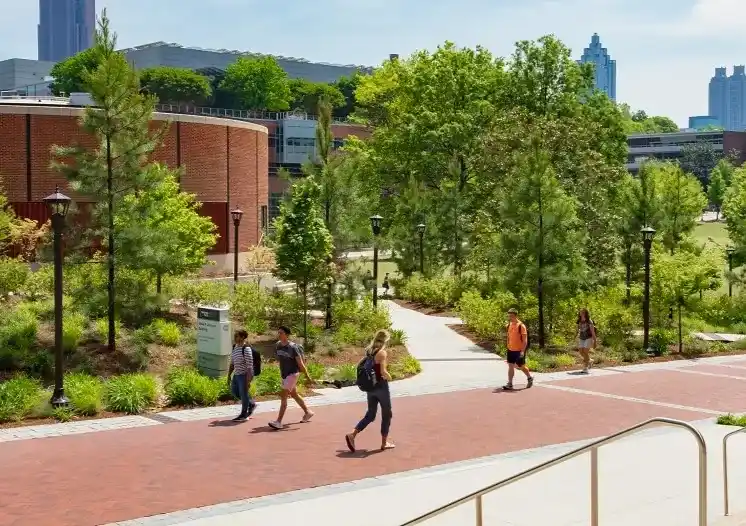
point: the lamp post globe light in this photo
(58, 204)
(236, 215)
(375, 224)
(421, 231)
(730, 251)
(647, 239)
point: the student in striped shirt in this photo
(242, 369)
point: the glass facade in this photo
(605, 67)
(66, 27)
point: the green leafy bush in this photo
(398, 337)
(130, 393)
(166, 332)
(732, 420)
(269, 382)
(85, 393)
(18, 331)
(250, 304)
(438, 292)
(196, 293)
(316, 370)
(18, 398)
(661, 339)
(409, 366)
(349, 334)
(486, 317)
(187, 386)
(361, 315)
(101, 329)
(73, 329)
(346, 372)
(40, 283)
(13, 275)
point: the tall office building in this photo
(727, 98)
(605, 67)
(66, 27)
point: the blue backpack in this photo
(366, 373)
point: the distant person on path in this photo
(290, 358)
(374, 378)
(386, 285)
(586, 338)
(242, 371)
(517, 340)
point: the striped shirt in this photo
(242, 360)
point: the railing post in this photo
(594, 486)
(480, 516)
(725, 476)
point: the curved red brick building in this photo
(224, 163)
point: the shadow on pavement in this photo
(226, 423)
(267, 429)
(360, 453)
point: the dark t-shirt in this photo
(286, 357)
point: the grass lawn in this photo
(712, 234)
(384, 266)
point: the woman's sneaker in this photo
(274, 424)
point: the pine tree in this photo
(119, 120)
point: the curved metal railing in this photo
(725, 468)
(593, 449)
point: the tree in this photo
(180, 86)
(70, 74)
(347, 87)
(699, 159)
(306, 95)
(716, 191)
(734, 210)
(119, 120)
(161, 230)
(677, 278)
(641, 122)
(258, 83)
(680, 203)
(303, 241)
(541, 238)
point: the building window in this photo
(275, 199)
(264, 218)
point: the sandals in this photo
(350, 443)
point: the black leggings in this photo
(379, 395)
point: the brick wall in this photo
(218, 158)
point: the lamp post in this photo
(236, 214)
(730, 251)
(647, 239)
(421, 231)
(375, 224)
(58, 204)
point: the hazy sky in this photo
(666, 50)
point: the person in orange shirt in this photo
(517, 344)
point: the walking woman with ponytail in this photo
(373, 377)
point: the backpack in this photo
(366, 373)
(528, 339)
(256, 358)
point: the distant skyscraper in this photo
(727, 98)
(66, 27)
(604, 65)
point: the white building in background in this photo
(605, 67)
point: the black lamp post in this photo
(647, 239)
(421, 231)
(375, 224)
(236, 214)
(730, 251)
(58, 205)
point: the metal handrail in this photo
(593, 448)
(725, 467)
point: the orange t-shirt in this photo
(516, 336)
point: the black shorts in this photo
(517, 357)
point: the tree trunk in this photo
(681, 337)
(158, 283)
(540, 283)
(110, 259)
(330, 285)
(628, 269)
(305, 313)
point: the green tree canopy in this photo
(734, 209)
(640, 122)
(699, 159)
(161, 230)
(180, 86)
(258, 83)
(681, 201)
(70, 74)
(306, 95)
(347, 87)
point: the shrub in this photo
(409, 366)
(40, 283)
(249, 305)
(660, 339)
(130, 393)
(398, 337)
(316, 370)
(346, 372)
(187, 386)
(73, 328)
(85, 393)
(18, 398)
(348, 333)
(362, 315)
(486, 317)
(101, 329)
(18, 331)
(13, 275)
(166, 332)
(438, 292)
(732, 420)
(563, 360)
(196, 293)
(269, 382)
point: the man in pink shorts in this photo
(290, 358)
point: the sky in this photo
(666, 50)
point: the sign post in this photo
(213, 340)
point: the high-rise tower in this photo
(66, 27)
(605, 67)
(727, 98)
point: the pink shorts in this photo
(289, 383)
